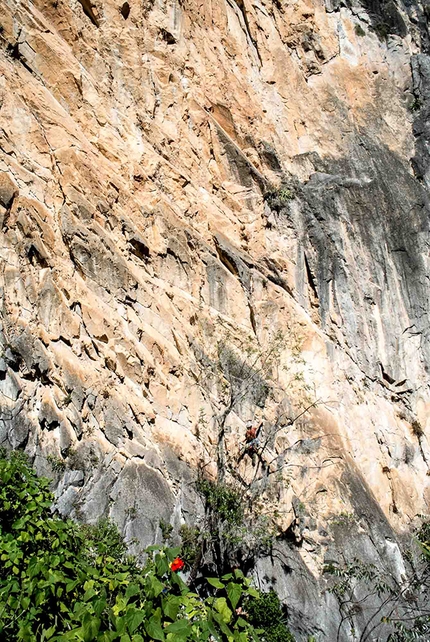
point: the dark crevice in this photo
(168, 37)
(88, 10)
(171, 252)
(49, 425)
(269, 156)
(24, 442)
(311, 280)
(37, 375)
(139, 249)
(36, 258)
(274, 277)
(386, 377)
(227, 263)
(241, 7)
(252, 318)
(13, 51)
(13, 359)
(8, 205)
(125, 10)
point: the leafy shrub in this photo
(58, 465)
(64, 581)
(415, 105)
(382, 30)
(423, 537)
(265, 612)
(279, 198)
(166, 530)
(191, 538)
(221, 499)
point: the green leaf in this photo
(162, 564)
(234, 592)
(132, 590)
(171, 607)
(48, 633)
(154, 630)
(223, 609)
(222, 625)
(134, 619)
(25, 602)
(89, 594)
(180, 626)
(99, 606)
(156, 586)
(172, 553)
(90, 627)
(213, 630)
(214, 581)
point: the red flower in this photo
(177, 564)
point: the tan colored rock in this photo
(138, 241)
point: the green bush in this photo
(60, 580)
(222, 500)
(279, 198)
(265, 613)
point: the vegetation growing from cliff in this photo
(242, 380)
(60, 580)
(228, 536)
(277, 199)
(402, 612)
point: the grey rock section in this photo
(366, 536)
(361, 229)
(140, 499)
(420, 66)
(390, 18)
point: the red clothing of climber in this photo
(250, 434)
(251, 441)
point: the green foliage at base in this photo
(265, 613)
(60, 580)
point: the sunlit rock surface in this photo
(138, 144)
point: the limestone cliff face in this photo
(138, 143)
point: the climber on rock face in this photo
(251, 432)
(251, 441)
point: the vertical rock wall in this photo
(176, 174)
